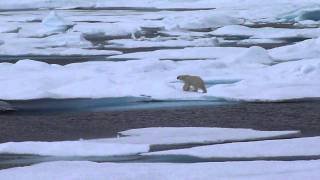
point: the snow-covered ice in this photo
(193, 135)
(297, 147)
(199, 36)
(264, 81)
(186, 53)
(256, 170)
(57, 44)
(284, 81)
(146, 45)
(303, 50)
(136, 141)
(4, 106)
(56, 23)
(72, 148)
(267, 32)
(157, 42)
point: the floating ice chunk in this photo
(260, 149)
(105, 31)
(193, 135)
(52, 24)
(260, 41)
(4, 106)
(252, 170)
(233, 30)
(71, 148)
(55, 23)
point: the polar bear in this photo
(193, 83)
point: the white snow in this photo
(107, 29)
(7, 28)
(297, 147)
(108, 79)
(246, 9)
(253, 41)
(186, 53)
(267, 32)
(56, 44)
(284, 81)
(191, 135)
(302, 50)
(157, 42)
(280, 74)
(137, 141)
(43, 33)
(72, 148)
(256, 170)
(260, 80)
(200, 20)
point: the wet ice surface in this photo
(47, 106)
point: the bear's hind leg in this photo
(195, 89)
(204, 89)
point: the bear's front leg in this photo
(186, 87)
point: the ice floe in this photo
(162, 42)
(267, 32)
(284, 81)
(4, 106)
(106, 32)
(51, 24)
(261, 81)
(186, 53)
(297, 147)
(137, 141)
(58, 44)
(200, 20)
(110, 79)
(193, 135)
(72, 148)
(256, 170)
(302, 50)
